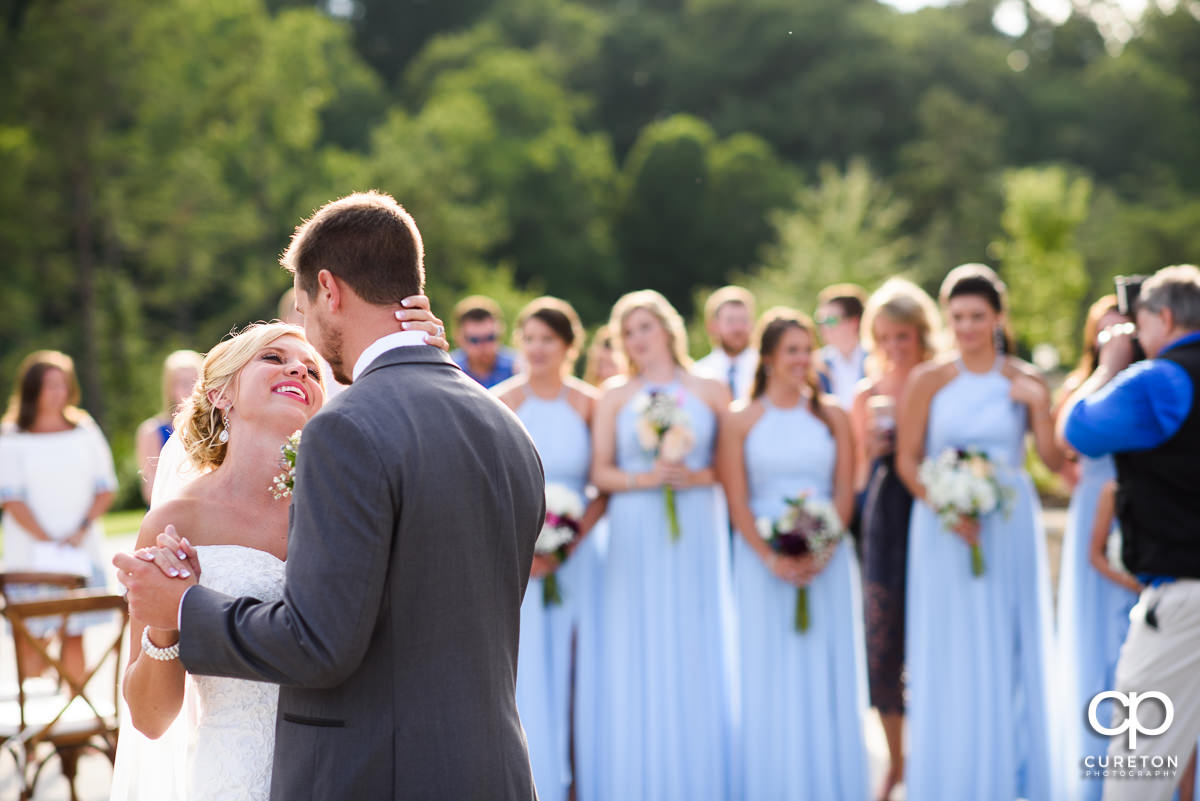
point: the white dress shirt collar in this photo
(722, 359)
(844, 373)
(736, 370)
(399, 339)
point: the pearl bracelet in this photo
(154, 652)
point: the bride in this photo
(204, 738)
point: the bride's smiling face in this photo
(280, 385)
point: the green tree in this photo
(694, 209)
(388, 34)
(1039, 258)
(848, 227)
(551, 181)
(152, 185)
(951, 177)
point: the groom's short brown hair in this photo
(367, 240)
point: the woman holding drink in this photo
(899, 326)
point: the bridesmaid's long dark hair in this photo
(770, 330)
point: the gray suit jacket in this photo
(418, 498)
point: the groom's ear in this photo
(329, 290)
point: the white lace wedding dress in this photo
(223, 741)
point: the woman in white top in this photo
(56, 480)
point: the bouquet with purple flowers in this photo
(564, 509)
(805, 527)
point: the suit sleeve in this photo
(339, 543)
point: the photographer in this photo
(1146, 415)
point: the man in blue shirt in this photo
(478, 328)
(1148, 417)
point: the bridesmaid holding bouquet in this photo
(803, 668)
(668, 649)
(979, 646)
(556, 409)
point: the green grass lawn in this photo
(118, 524)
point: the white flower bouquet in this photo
(281, 487)
(564, 511)
(665, 430)
(963, 482)
(805, 527)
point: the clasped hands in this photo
(74, 539)
(156, 578)
(671, 474)
(968, 528)
(799, 571)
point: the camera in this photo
(1128, 288)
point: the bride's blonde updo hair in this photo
(199, 422)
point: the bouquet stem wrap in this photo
(672, 512)
(801, 609)
(976, 560)
(551, 596)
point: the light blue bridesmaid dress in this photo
(544, 660)
(979, 649)
(669, 650)
(590, 688)
(1093, 618)
(803, 695)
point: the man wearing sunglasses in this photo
(839, 312)
(478, 327)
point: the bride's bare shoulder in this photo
(186, 513)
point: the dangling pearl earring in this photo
(223, 436)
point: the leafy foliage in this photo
(846, 228)
(155, 156)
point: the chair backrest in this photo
(102, 717)
(11, 582)
(65, 581)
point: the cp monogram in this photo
(1131, 723)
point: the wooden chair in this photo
(56, 582)
(82, 715)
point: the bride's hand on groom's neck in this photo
(416, 316)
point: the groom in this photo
(418, 498)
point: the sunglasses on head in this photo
(486, 338)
